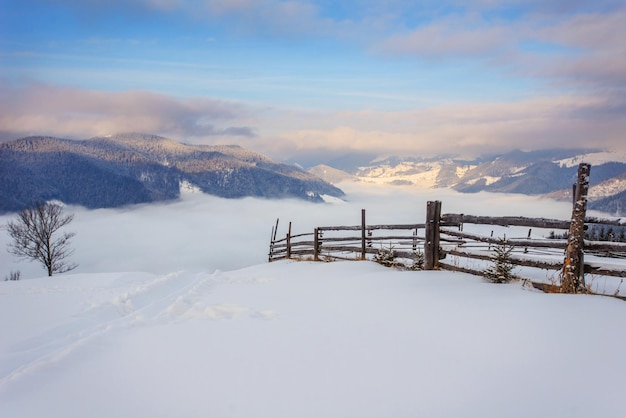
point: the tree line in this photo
(597, 233)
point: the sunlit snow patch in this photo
(331, 199)
(186, 187)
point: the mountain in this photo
(549, 172)
(330, 174)
(138, 168)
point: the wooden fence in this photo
(543, 253)
(349, 242)
(453, 242)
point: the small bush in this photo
(386, 257)
(418, 261)
(13, 275)
(502, 269)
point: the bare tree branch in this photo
(35, 237)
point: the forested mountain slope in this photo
(138, 168)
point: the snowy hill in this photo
(307, 340)
(330, 174)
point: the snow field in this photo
(309, 340)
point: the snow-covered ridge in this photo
(426, 174)
(595, 158)
(487, 179)
(607, 188)
(187, 187)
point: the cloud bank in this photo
(467, 129)
(41, 109)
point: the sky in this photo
(307, 79)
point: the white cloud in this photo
(465, 128)
(65, 111)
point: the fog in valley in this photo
(204, 233)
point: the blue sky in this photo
(303, 77)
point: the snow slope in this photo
(300, 339)
(594, 158)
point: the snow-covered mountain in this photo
(443, 172)
(550, 172)
(139, 168)
(330, 174)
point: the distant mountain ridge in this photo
(545, 172)
(140, 168)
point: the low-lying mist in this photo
(203, 233)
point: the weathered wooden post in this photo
(431, 244)
(363, 243)
(289, 241)
(572, 276)
(316, 245)
(272, 241)
(271, 254)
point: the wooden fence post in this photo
(289, 241)
(363, 244)
(572, 276)
(316, 245)
(431, 244)
(271, 254)
(272, 240)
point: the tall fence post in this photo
(363, 243)
(272, 241)
(271, 254)
(316, 245)
(289, 241)
(431, 244)
(572, 280)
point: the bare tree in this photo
(35, 237)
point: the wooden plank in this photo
(302, 244)
(355, 249)
(604, 221)
(397, 237)
(560, 244)
(340, 239)
(302, 252)
(386, 238)
(600, 271)
(459, 219)
(339, 228)
(618, 247)
(525, 262)
(308, 234)
(398, 227)
(450, 267)
(371, 227)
